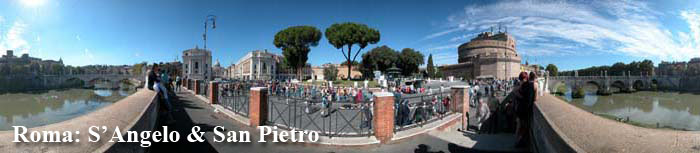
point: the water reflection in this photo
(47, 107)
(103, 92)
(645, 108)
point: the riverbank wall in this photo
(137, 112)
(35, 82)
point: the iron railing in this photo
(333, 119)
(417, 111)
(190, 85)
(235, 97)
(204, 89)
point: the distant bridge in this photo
(91, 79)
(624, 83)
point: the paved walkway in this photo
(593, 133)
(191, 111)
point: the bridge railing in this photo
(235, 97)
(204, 89)
(416, 111)
(345, 118)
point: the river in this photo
(674, 110)
(32, 109)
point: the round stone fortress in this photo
(486, 56)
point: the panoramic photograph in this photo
(349, 76)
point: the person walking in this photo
(524, 108)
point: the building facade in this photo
(256, 65)
(486, 56)
(25, 64)
(342, 72)
(672, 68)
(197, 64)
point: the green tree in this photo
(617, 69)
(136, 69)
(646, 67)
(295, 43)
(553, 70)
(409, 61)
(430, 68)
(347, 34)
(330, 73)
(378, 59)
(354, 63)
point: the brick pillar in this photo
(214, 92)
(186, 83)
(383, 118)
(196, 86)
(258, 106)
(461, 103)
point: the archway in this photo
(638, 84)
(72, 83)
(618, 86)
(559, 88)
(591, 86)
(100, 83)
(654, 84)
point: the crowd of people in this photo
(160, 81)
(431, 104)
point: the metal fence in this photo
(419, 110)
(204, 89)
(235, 97)
(333, 119)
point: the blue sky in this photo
(571, 34)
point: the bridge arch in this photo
(619, 84)
(559, 87)
(638, 84)
(594, 83)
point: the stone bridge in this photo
(91, 79)
(624, 83)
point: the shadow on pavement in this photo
(183, 125)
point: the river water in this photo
(673, 110)
(52, 106)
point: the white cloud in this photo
(622, 27)
(13, 40)
(444, 47)
(89, 56)
(443, 58)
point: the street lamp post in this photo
(211, 18)
(208, 18)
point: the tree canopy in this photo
(347, 34)
(295, 43)
(379, 58)
(553, 70)
(409, 61)
(644, 67)
(430, 68)
(330, 72)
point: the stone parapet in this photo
(137, 112)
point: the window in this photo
(264, 68)
(196, 65)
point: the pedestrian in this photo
(178, 82)
(523, 109)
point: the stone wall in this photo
(546, 136)
(137, 112)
